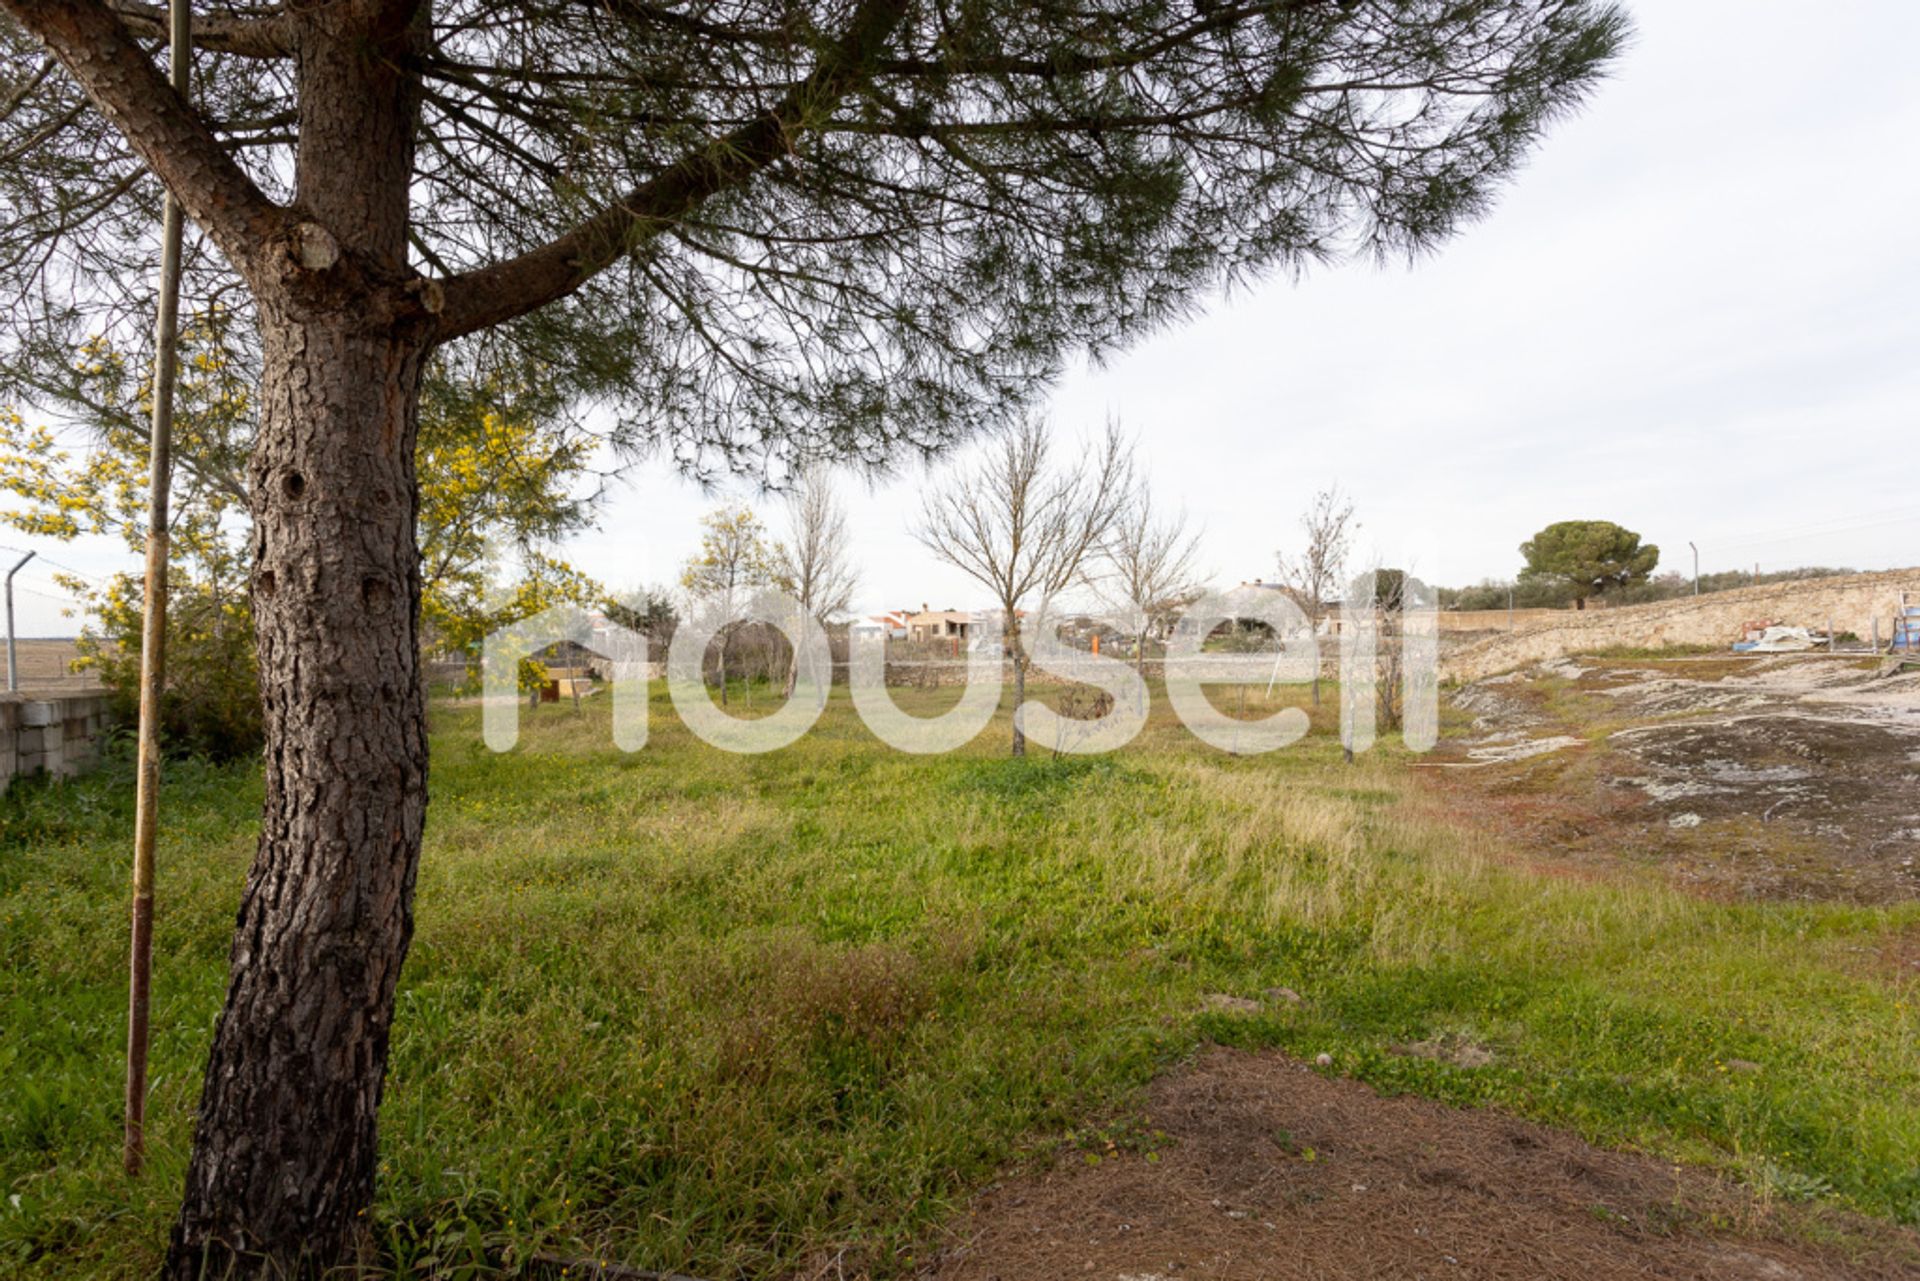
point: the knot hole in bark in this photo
(376, 594)
(267, 585)
(293, 485)
(314, 247)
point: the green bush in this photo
(211, 703)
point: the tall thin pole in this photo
(153, 635)
(13, 669)
(1696, 569)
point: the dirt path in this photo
(1271, 1170)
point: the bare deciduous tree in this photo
(1314, 575)
(1154, 576)
(1022, 527)
(814, 568)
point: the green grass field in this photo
(720, 1014)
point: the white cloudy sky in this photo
(1694, 314)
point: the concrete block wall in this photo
(59, 736)
(1852, 603)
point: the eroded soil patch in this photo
(1774, 777)
(1270, 1170)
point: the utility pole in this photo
(1696, 567)
(1509, 606)
(153, 633)
(13, 671)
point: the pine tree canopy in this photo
(763, 231)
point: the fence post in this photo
(13, 671)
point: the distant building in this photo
(892, 624)
(571, 670)
(938, 624)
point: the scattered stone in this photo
(1222, 1003)
(1323, 1060)
(1525, 749)
(1684, 820)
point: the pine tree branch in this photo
(268, 36)
(1067, 64)
(493, 294)
(111, 68)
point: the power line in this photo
(48, 560)
(77, 573)
(58, 600)
(47, 581)
(1832, 525)
(1821, 528)
(44, 584)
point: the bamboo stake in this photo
(153, 632)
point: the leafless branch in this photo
(1023, 527)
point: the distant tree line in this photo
(1491, 593)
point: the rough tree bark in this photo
(284, 1157)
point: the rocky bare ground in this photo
(1780, 776)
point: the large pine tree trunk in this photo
(284, 1151)
(284, 1158)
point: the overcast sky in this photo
(1695, 314)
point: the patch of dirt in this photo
(1774, 777)
(1273, 1171)
(1451, 1048)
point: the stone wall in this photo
(1498, 620)
(1852, 603)
(940, 673)
(59, 736)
